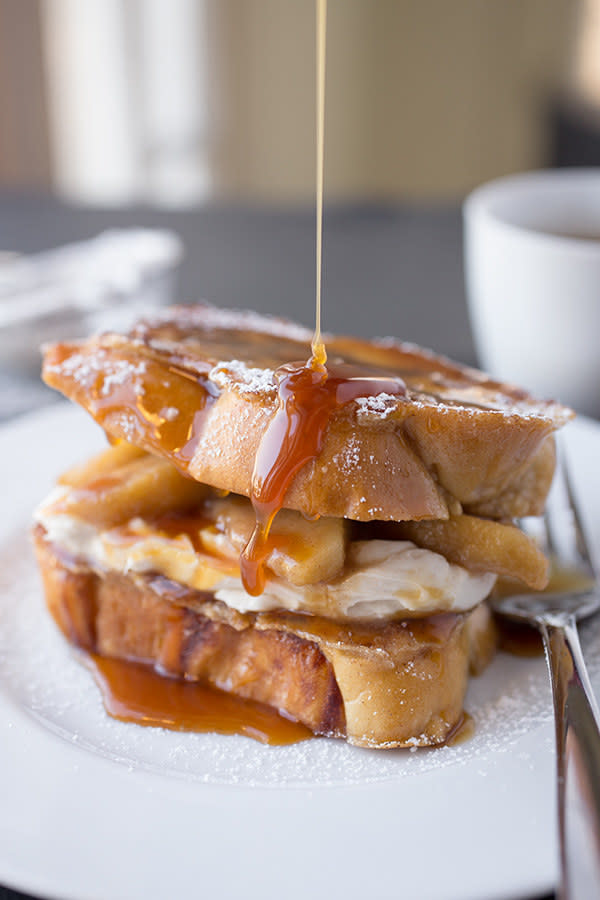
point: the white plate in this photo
(93, 808)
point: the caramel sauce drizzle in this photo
(160, 404)
(134, 692)
(462, 732)
(319, 355)
(519, 639)
(178, 523)
(308, 397)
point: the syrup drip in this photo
(308, 397)
(319, 355)
(179, 523)
(462, 732)
(519, 639)
(134, 692)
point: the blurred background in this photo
(182, 101)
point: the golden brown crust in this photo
(176, 387)
(399, 684)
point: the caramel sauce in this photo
(200, 347)
(134, 692)
(519, 639)
(561, 578)
(158, 405)
(319, 354)
(179, 523)
(462, 732)
(567, 578)
(308, 397)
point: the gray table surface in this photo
(387, 270)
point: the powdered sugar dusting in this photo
(78, 366)
(379, 406)
(349, 457)
(84, 368)
(123, 372)
(470, 389)
(41, 672)
(246, 379)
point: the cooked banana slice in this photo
(301, 551)
(481, 546)
(112, 458)
(119, 485)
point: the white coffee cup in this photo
(532, 267)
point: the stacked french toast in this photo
(372, 611)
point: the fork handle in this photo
(578, 760)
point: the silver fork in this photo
(577, 718)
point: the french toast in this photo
(387, 538)
(197, 386)
(400, 684)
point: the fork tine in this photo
(549, 542)
(580, 539)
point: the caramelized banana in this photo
(120, 484)
(301, 551)
(481, 546)
(119, 454)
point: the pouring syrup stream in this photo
(295, 433)
(309, 394)
(319, 355)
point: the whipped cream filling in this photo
(381, 579)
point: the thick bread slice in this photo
(378, 686)
(197, 386)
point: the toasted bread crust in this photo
(378, 686)
(175, 386)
